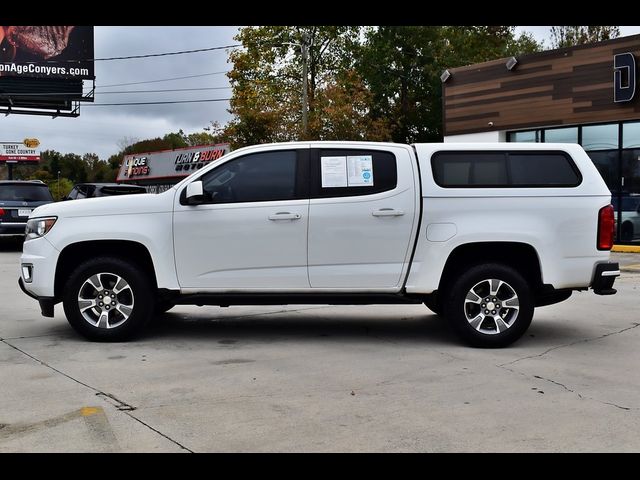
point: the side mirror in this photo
(195, 193)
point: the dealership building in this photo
(584, 94)
(159, 171)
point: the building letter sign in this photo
(624, 77)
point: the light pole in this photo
(305, 102)
(58, 184)
(304, 49)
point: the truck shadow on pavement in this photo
(425, 329)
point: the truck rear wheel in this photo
(108, 299)
(490, 305)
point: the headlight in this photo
(38, 227)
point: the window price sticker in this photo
(360, 171)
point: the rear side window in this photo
(348, 173)
(504, 169)
(549, 169)
(25, 192)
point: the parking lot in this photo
(321, 378)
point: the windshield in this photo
(25, 192)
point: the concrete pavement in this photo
(318, 378)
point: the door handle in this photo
(387, 212)
(285, 216)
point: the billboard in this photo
(168, 166)
(22, 152)
(50, 52)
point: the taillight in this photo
(606, 228)
(1, 212)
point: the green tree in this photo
(175, 140)
(200, 138)
(342, 112)
(60, 189)
(401, 66)
(568, 36)
(74, 168)
(267, 79)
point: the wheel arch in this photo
(521, 256)
(76, 253)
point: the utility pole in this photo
(58, 195)
(10, 164)
(305, 102)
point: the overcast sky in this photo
(100, 129)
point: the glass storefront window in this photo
(561, 135)
(607, 165)
(600, 137)
(631, 135)
(631, 171)
(531, 136)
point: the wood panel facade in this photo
(558, 87)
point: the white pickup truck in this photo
(481, 233)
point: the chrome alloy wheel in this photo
(491, 306)
(105, 300)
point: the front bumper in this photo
(46, 303)
(40, 259)
(604, 276)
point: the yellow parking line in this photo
(87, 411)
(626, 248)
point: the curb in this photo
(626, 248)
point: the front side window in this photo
(257, 177)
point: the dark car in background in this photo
(90, 190)
(18, 198)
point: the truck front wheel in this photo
(490, 305)
(108, 299)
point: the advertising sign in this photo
(19, 152)
(168, 164)
(47, 51)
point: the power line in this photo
(182, 52)
(129, 57)
(162, 79)
(48, 94)
(156, 103)
(166, 90)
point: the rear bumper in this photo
(604, 276)
(11, 229)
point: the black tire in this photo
(626, 233)
(486, 333)
(433, 304)
(139, 293)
